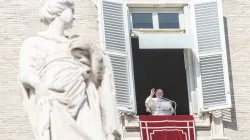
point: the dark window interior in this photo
(160, 69)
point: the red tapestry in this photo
(179, 127)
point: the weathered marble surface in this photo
(67, 83)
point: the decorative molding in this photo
(137, 32)
(217, 129)
(127, 113)
(203, 120)
(159, 3)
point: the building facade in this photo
(117, 26)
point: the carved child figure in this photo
(90, 55)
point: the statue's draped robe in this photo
(78, 113)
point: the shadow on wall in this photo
(229, 116)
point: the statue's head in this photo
(159, 93)
(62, 9)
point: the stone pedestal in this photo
(217, 129)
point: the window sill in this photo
(136, 32)
(203, 121)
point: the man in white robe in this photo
(158, 105)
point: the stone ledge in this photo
(220, 138)
(203, 138)
(133, 138)
(203, 121)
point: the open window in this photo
(161, 56)
(160, 59)
(211, 57)
(160, 69)
(197, 28)
(116, 40)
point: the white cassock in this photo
(158, 106)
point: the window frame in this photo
(204, 122)
(189, 56)
(155, 18)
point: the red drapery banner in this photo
(179, 127)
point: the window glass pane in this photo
(168, 20)
(142, 20)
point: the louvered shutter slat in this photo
(114, 15)
(121, 78)
(211, 53)
(115, 34)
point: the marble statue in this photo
(67, 83)
(158, 105)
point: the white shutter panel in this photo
(212, 70)
(115, 40)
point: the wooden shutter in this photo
(211, 56)
(115, 39)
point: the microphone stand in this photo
(174, 109)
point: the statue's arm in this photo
(28, 76)
(28, 79)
